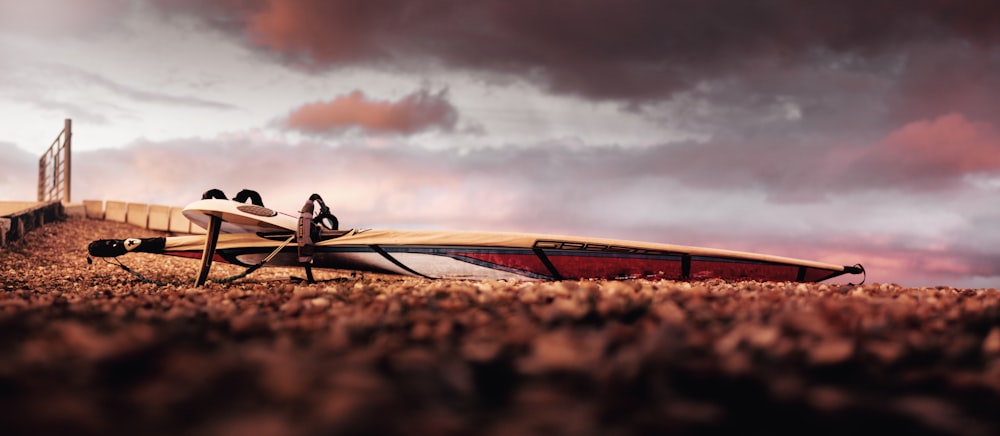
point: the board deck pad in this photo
(238, 217)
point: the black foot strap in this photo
(214, 193)
(247, 194)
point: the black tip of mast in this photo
(854, 269)
(107, 248)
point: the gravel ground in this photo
(90, 349)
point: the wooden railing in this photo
(148, 216)
(55, 167)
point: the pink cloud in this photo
(949, 145)
(924, 155)
(417, 112)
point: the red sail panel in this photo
(522, 262)
(729, 270)
(577, 266)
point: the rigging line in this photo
(548, 263)
(395, 261)
(277, 250)
(253, 268)
(141, 277)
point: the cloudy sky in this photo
(855, 131)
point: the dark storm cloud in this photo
(630, 49)
(947, 77)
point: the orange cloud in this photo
(417, 112)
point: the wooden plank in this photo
(94, 209)
(137, 214)
(159, 217)
(115, 211)
(178, 222)
(14, 226)
(13, 207)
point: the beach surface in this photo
(88, 348)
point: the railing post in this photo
(56, 180)
(41, 178)
(67, 158)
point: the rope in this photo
(141, 277)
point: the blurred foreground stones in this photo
(90, 349)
